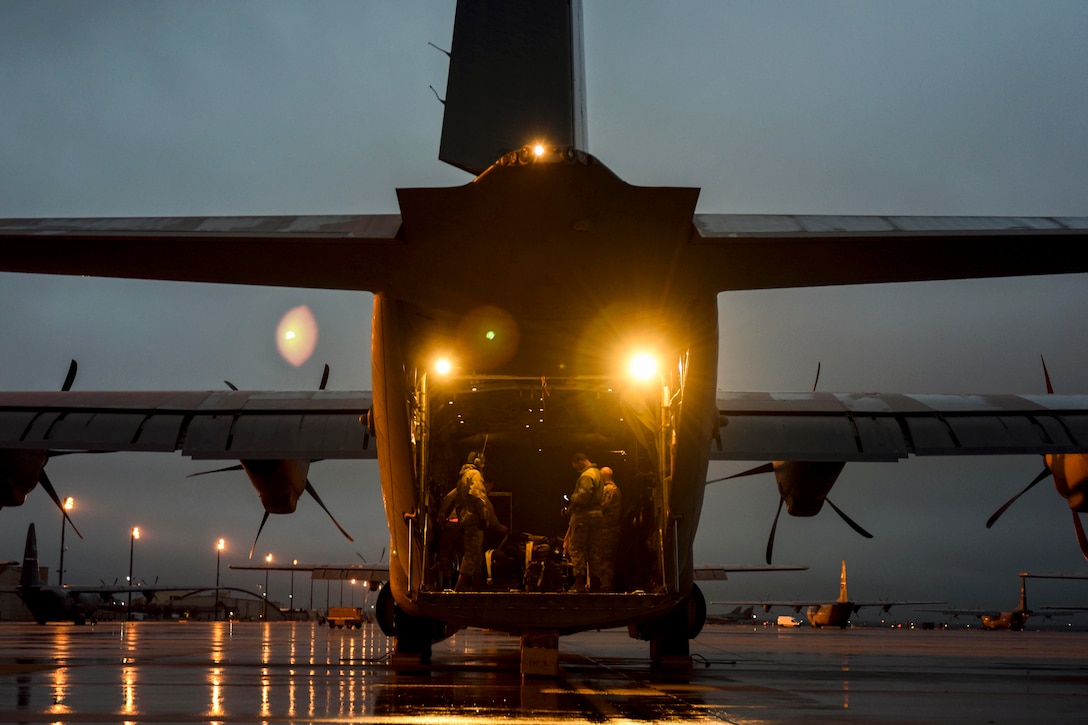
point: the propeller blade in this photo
(48, 486)
(324, 378)
(817, 377)
(1049, 387)
(237, 467)
(847, 519)
(765, 468)
(1045, 472)
(770, 540)
(230, 385)
(1081, 538)
(310, 490)
(259, 530)
(70, 377)
(382, 556)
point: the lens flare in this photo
(296, 335)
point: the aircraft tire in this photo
(385, 611)
(695, 612)
(669, 636)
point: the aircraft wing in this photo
(329, 252)
(888, 427)
(765, 251)
(312, 424)
(373, 252)
(797, 606)
(362, 572)
(720, 573)
(965, 612)
(106, 592)
(886, 606)
(1060, 611)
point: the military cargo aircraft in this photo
(535, 366)
(77, 604)
(1016, 619)
(831, 614)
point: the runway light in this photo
(538, 149)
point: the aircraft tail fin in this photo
(843, 596)
(516, 77)
(1023, 594)
(31, 576)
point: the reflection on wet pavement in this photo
(282, 671)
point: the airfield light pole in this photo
(353, 592)
(268, 563)
(69, 504)
(131, 550)
(218, 554)
(291, 598)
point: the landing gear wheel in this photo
(669, 636)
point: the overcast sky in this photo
(205, 108)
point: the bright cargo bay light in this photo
(642, 366)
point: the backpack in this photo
(468, 504)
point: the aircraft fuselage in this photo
(836, 614)
(1014, 620)
(537, 280)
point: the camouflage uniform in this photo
(585, 515)
(602, 555)
(450, 538)
(475, 515)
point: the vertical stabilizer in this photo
(516, 77)
(843, 596)
(30, 576)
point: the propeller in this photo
(38, 459)
(816, 470)
(259, 530)
(774, 527)
(1081, 538)
(380, 558)
(313, 492)
(43, 478)
(263, 474)
(1067, 472)
(804, 483)
(1042, 475)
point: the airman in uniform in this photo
(585, 515)
(602, 555)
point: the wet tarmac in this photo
(184, 672)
